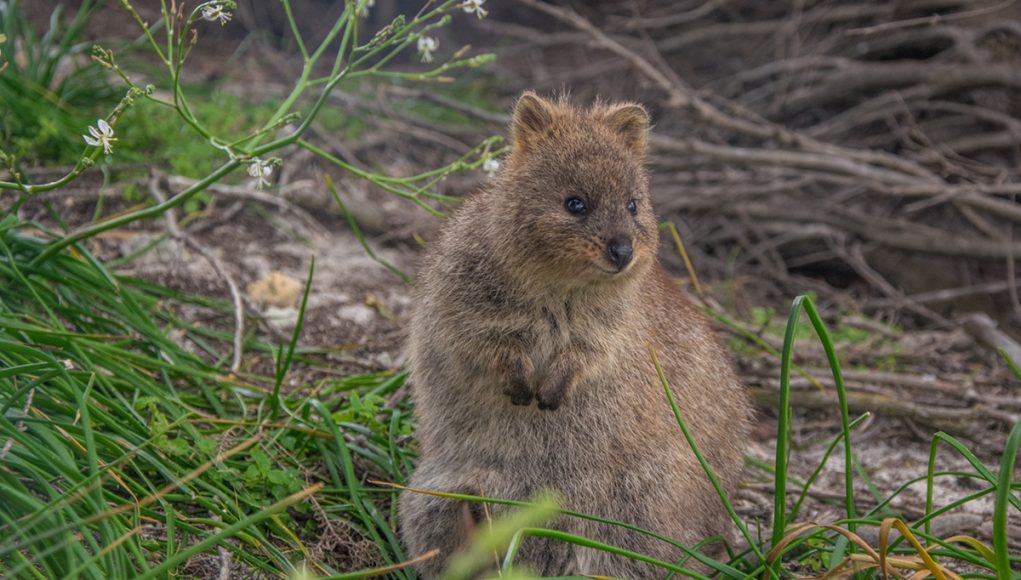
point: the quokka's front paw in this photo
(552, 392)
(519, 389)
(518, 396)
(550, 403)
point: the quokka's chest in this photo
(555, 331)
(549, 334)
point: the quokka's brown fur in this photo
(521, 299)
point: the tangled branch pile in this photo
(868, 150)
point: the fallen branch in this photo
(983, 329)
(968, 420)
(175, 231)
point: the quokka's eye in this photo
(632, 207)
(575, 205)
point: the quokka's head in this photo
(577, 190)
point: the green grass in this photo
(127, 454)
(49, 89)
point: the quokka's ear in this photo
(630, 122)
(533, 116)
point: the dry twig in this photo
(175, 231)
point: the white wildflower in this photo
(260, 170)
(216, 13)
(68, 364)
(101, 136)
(427, 45)
(491, 166)
(475, 6)
(363, 10)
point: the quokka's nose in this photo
(619, 252)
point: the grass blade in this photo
(1003, 496)
(705, 464)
